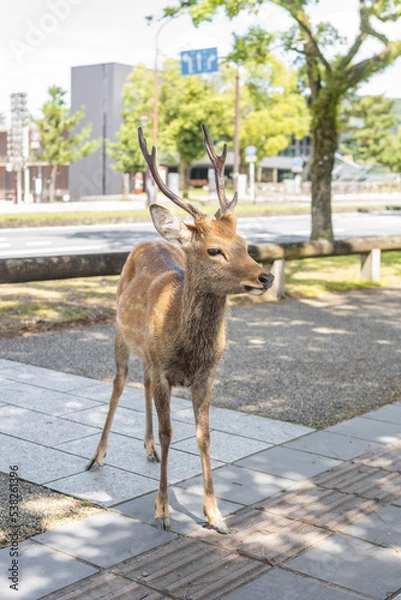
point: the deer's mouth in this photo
(254, 291)
(265, 281)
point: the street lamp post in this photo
(156, 83)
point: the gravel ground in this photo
(39, 509)
(314, 362)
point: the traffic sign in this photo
(195, 62)
(250, 150)
(297, 164)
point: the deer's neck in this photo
(202, 324)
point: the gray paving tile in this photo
(46, 378)
(42, 399)
(369, 429)
(104, 539)
(397, 502)
(243, 486)
(36, 427)
(383, 527)
(224, 446)
(35, 462)
(42, 571)
(8, 364)
(101, 391)
(354, 564)
(332, 445)
(266, 430)
(128, 422)
(129, 454)
(292, 464)
(106, 486)
(133, 398)
(278, 584)
(186, 509)
(390, 413)
(186, 415)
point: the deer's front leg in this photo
(161, 395)
(201, 396)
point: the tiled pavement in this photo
(313, 514)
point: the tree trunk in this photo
(325, 141)
(52, 185)
(184, 170)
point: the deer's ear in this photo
(168, 225)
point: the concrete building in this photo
(99, 89)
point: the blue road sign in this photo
(195, 62)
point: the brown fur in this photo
(171, 307)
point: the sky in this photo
(42, 39)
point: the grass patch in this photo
(39, 306)
(91, 217)
(313, 277)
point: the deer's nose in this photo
(266, 279)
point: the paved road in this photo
(44, 241)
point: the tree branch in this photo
(303, 22)
(295, 10)
(365, 68)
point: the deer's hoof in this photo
(93, 465)
(163, 523)
(220, 527)
(153, 457)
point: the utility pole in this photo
(236, 131)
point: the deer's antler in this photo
(218, 163)
(151, 160)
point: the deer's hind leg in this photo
(161, 394)
(149, 441)
(121, 353)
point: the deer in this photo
(171, 313)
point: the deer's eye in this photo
(214, 252)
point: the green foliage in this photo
(367, 126)
(186, 103)
(329, 68)
(59, 145)
(391, 155)
(271, 108)
(137, 103)
(254, 48)
(274, 111)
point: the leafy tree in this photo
(329, 70)
(275, 111)
(187, 102)
(60, 143)
(391, 156)
(137, 100)
(272, 110)
(367, 127)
